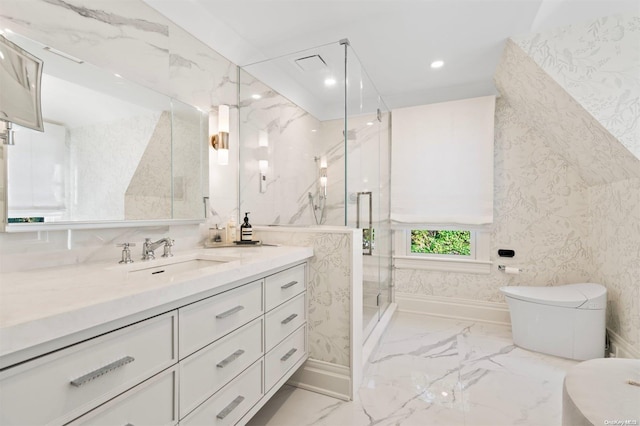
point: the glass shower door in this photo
(366, 186)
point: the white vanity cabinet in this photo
(260, 361)
(59, 387)
(212, 361)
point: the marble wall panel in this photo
(134, 40)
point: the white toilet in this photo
(566, 320)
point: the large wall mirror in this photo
(111, 150)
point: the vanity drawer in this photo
(284, 285)
(151, 403)
(284, 320)
(203, 322)
(63, 385)
(231, 402)
(284, 356)
(203, 373)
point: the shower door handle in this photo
(367, 233)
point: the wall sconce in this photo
(263, 158)
(323, 175)
(6, 132)
(220, 140)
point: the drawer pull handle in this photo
(229, 408)
(288, 354)
(230, 312)
(100, 371)
(230, 358)
(287, 285)
(288, 319)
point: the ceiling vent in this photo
(311, 63)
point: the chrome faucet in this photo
(148, 247)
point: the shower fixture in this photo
(321, 191)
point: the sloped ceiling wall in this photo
(579, 88)
(569, 128)
(598, 65)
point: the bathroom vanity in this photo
(205, 337)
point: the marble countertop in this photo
(42, 305)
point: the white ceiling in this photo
(395, 40)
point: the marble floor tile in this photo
(435, 371)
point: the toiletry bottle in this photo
(231, 230)
(246, 233)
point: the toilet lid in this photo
(569, 296)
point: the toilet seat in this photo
(577, 296)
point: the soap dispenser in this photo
(246, 232)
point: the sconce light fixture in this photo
(6, 132)
(263, 158)
(323, 176)
(220, 140)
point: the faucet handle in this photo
(126, 245)
(167, 248)
(126, 253)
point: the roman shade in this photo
(442, 163)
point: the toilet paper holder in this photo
(503, 268)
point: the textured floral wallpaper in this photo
(598, 64)
(328, 291)
(540, 211)
(567, 187)
(614, 213)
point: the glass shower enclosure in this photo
(315, 150)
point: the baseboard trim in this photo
(450, 307)
(374, 338)
(619, 347)
(323, 377)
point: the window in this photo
(441, 242)
(449, 250)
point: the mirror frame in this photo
(34, 121)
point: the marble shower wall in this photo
(598, 64)
(294, 148)
(297, 143)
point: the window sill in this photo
(444, 265)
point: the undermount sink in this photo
(170, 267)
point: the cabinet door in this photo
(284, 356)
(284, 285)
(151, 403)
(284, 320)
(206, 371)
(231, 403)
(68, 383)
(207, 320)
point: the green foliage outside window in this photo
(441, 242)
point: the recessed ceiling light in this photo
(437, 64)
(256, 96)
(118, 75)
(313, 130)
(369, 123)
(330, 81)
